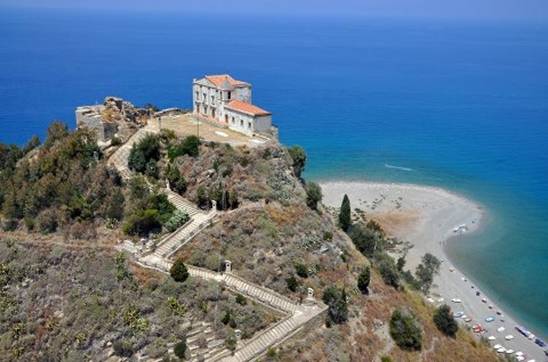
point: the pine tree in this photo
(345, 214)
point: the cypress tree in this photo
(345, 214)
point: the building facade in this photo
(225, 100)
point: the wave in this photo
(398, 167)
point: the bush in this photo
(240, 299)
(298, 156)
(180, 349)
(367, 241)
(313, 195)
(47, 221)
(292, 283)
(405, 330)
(389, 272)
(301, 270)
(364, 279)
(123, 348)
(178, 271)
(189, 146)
(178, 219)
(115, 141)
(345, 214)
(203, 199)
(143, 152)
(143, 222)
(336, 300)
(176, 181)
(10, 224)
(443, 319)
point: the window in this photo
(212, 113)
(229, 95)
(204, 98)
(241, 122)
(212, 99)
(233, 120)
(197, 95)
(249, 125)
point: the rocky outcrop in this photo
(116, 117)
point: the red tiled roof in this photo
(218, 80)
(247, 108)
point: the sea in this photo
(458, 104)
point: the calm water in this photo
(458, 105)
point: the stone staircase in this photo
(202, 342)
(297, 315)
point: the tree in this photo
(203, 199)
(425, 277)
(180, 349)
(56, 131)
(338, 308)
(143, 222)
(298, 156)
(292, 283)
(364, 279)
(389, 272)
(345, 214)
(405, 330)
(301, 270)
(188, 146)
(443, 319)
(367, 241)
(313, 195)
(178, 271)
(176, 181)
(400, 263)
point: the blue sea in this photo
(461, 105)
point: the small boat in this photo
(456, 300)
(501, 350)
(509, 337)
(497, 346)
(509, 351)
(491, 338)
(500, 329)
(540, 342)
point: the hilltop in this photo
(85, 271)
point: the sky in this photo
(534, 10)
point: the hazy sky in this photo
(474, 9)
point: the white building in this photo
(226, 100)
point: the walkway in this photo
(297, 315)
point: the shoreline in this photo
(426, 217)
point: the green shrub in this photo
(143, 152)
(143, 222)
(180, 349)
(188, 146)
(226, 318)
(313, 195)
(178, 219)
(176, 181)
(123, 348)
(47, 221)
(115, 141)
(389, 272)
(364, 279)
(203, 199)
(336, 300)
(178, 271)
(443, 319)
(301, 270)
(240, 299)
(298, 156)
(292, 283)
(367, 241)
(405, 330)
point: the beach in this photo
(427, 218)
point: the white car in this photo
(456, 300)
(509, 337)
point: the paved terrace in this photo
(187, 124)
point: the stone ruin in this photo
(115, 117)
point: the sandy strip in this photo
(427, 218)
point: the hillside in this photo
(68, 292)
